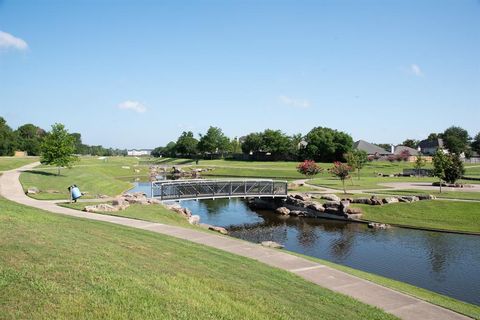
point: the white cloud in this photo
(296, 103)
(8, 41)
(132, 105)
(415, 69)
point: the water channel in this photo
(445, 263)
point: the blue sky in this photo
(138, 73)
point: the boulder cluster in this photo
(122, 202)
(376, 201)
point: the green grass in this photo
(92, 175)
(150, 214)
(436, 214)
(365, 182)
(436, 193)
(472, 171)
(54, 266)
(8, 163)
(154, 213)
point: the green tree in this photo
(419, 164)
(325, 144)
(434, 136)
(214, 141)
(412, 143)
(187, 144)
(252, 143)
(454, 169)
(58, 148)
(357, 159)
(29, 138)
(6, 139)
(440, 163)
(77, 141)
(341, 171)
(476, 143)
(275, 142)
(456, 140)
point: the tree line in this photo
(319, 144)
(29, 138)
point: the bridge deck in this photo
(211, 189)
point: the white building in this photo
(141, 152)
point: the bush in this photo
(309, 168)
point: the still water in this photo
(445, 263)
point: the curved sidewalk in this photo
(394, 302)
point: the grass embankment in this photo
(153, 213)
(8, 163)
(443, 195)
(432, 214)
(53, 266)
(92, 175)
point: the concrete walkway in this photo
(394, 302)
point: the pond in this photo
(441, 262)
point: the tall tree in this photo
(29, 138)
(252, 143)
(412, 143)
(187, 144)
(476, 143)
(456, 139)
(325, 144)
(454, 169)
(357, 159)
(419, 164)
(214, 141)
(6, 139)
(235, 145)
(58, 148)
(275, 142)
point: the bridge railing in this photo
(201, 189)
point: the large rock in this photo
(119, 201)
(389, 200)
(408, 199)
(353, 210)
(316, 207)
(283, 211)
(375, 225)
(426, 197)
(33, 190)
(303, 197)
(194, 219)
(218, 229)
(344, 204)
(271, 244)
(361, 201)
(376, 201)
(103, 207)
(330, 197)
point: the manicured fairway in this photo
(92, 175)
(447, 215)
(8, 163)
(60, 267)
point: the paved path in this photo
(394, 302)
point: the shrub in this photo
(309, 168)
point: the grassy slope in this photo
(447, 215)
(8, 163)
(156, 215)
(53, 266)
(436, 193)
(90, 174)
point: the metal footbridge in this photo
(212, 189)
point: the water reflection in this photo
(441, 262)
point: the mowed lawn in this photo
(8, 163)
(54, 266)
(437, 214)
(92, 175)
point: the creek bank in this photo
(333, 207)
(124, 201)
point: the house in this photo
(429, 147)
(140, 152)
(400, 149)
(370, 148)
